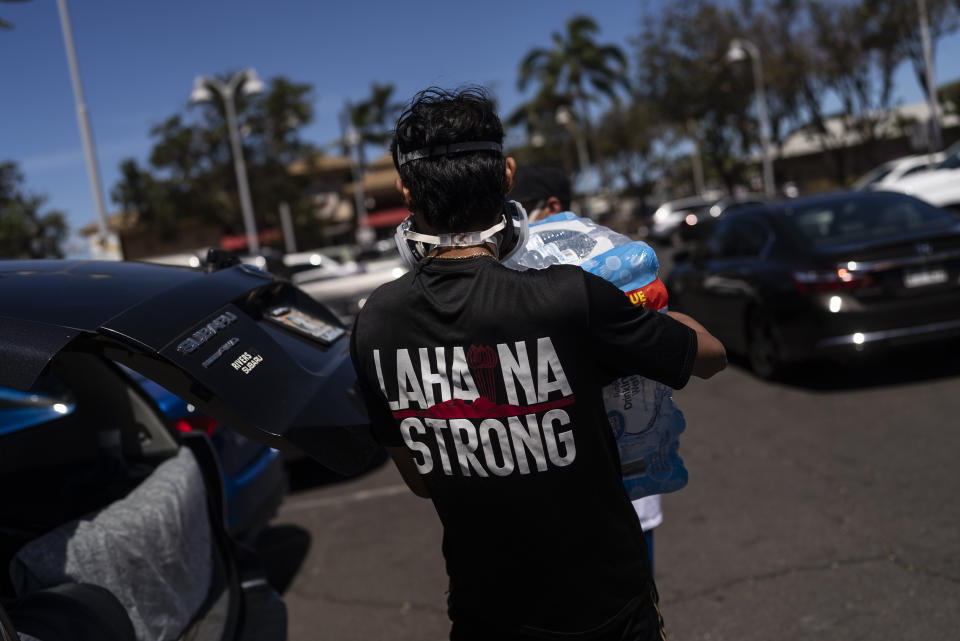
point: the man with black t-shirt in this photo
(484, 383)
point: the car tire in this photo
(763, 346)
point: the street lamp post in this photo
(739, 50)
(364, 235)
(935, 138)
(83, 119)
(564, 117)
(248, 82)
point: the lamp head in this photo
(252, 84)
(200, 93)
(737, 51)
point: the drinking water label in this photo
(644, 419)
(647, 426)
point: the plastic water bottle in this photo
(647, 425)
(564, 239)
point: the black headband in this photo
(444, 150)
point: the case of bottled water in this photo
(644, 419)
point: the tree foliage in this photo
(574, 72)
(190, 172)
(6, 24)
(683, 75)
(26, 231)
(627, 137)
(898, 22)
(372, 119)
(576, 66)
(949, 96)
(827, 66)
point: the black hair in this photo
(454, 192)
(539, 182)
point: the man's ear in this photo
(511, 171)
(404, 192)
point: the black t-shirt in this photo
(492, 378)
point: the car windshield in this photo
(952, 161)
(865, 218)
(874, 176)
(697, 211)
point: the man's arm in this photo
(711, 355)
(408, 470)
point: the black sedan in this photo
(824, 276)
(112, 523)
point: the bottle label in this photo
(652, 296)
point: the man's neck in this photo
(455, 253)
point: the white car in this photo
(939, 186)
(342, 277)
(670, 215)
(893, 170)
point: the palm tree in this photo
(538, 115)
(4, 24)
(368, 122)
(575, 70)
(371, 120)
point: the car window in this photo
(873, 176)
(867, 217)
(698, 211)
(914, 170)
(951, 162)
(739, 239)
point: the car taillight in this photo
(196, 423)
(840, 279)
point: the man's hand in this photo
(711, 355)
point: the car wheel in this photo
(763, 350)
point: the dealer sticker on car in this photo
(305, 324)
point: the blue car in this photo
(122, 489)
(253, 474)
(254, 479)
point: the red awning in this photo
(387, 217)
(237, 242)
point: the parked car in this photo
(668, 217)
(824, 276)
(699, 221)
(253, 474)
(113, 523)
(342, 277)
(321, 264)
(893, 170)
(939, 186)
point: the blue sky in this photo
(138, 61)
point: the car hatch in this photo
(256, 354)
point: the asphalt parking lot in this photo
(822, 508)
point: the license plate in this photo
(924, 277)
